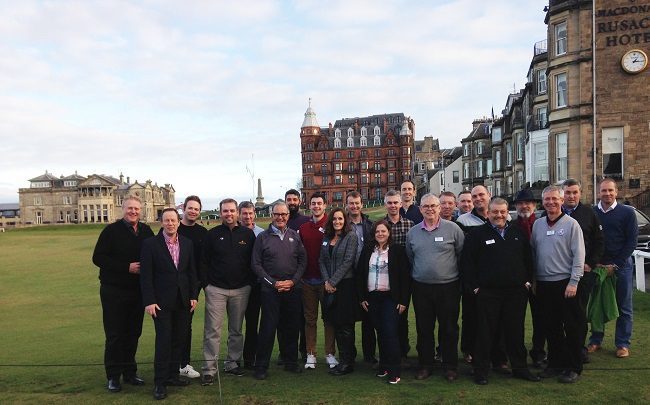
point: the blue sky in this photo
(186, 93)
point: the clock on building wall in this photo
(634, 61)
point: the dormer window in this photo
(363, 141)
(376, 130)
(377, 141)
(350, 142)
(350, 132)
(337, 132)
(364, 131)
(337, 142)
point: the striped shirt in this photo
(173, 246)
(378, 271)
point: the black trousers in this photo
(171, 331)
(252, 319)
(187, 347)
(403, 332)
(442, 302)
(344, 335)
(537, 352)
(468, 331)
(368, 337)
(565, 324)
(280, 310)
(501, 314)
(122, 313)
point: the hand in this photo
(587, 268)
(476, 291)
(570, 291)
(151, 309)
(193, 304)
(610, 269)
(364, 305)
(329, 288)
(134, 268)
(401, 308)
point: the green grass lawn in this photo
(51, 347)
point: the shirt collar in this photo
(600, 206)
(435, 226)
(169, 239)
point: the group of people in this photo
(446, 250)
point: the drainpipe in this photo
(593, 78)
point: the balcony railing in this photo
(540, 47)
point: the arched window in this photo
(350, 132)
(376, 130)
(337, 133)
(350, 142)
(363, 141)
(364, 131)
(337, 142)
(377, 142)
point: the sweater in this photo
(227, 257)
(398, 274)
(621, 232)
(434, 255)
(492, 261)
(296, 219)
(591, 232)
(117, 247)
(278, 259)
(311, 235)
(559, 250)
(602, 306)
(338, 265)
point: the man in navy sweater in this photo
(621, 232)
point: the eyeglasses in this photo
(429, 206)
(280, 214)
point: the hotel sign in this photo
(625, 25)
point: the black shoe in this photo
(451, 375)
(568, 377)
(502, 369)
(176, 382)
(293, 368)
(480, 379)
(549, 373)
(237, 372)
(423, 374)
(159, 392)
(370, 359)
(114, 385)
(134, 380)
(526, 375)
(248, 365)
(341, 369)
(539, 363)
(260, 374)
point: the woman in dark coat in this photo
(383, 286)
(337, 257)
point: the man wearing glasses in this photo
(279, 260)
(433, 248)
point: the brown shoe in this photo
(451, 375)
(593, 348)
(622, 352)
(423, 374)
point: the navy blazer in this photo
(160, 281)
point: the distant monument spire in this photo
(259, 200)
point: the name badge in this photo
(290, 239)
(549, 233)
(489, 242)
(321, 230)
(438, 239)
(324, 243)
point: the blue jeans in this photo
(624, 288)
(385, 317)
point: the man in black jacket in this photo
(592, 231)
(117, 254)
(169, 294)
(497, 267)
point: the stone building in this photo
(606, 135)
(477, 154)
(448, 176)
(93, 199)
(427, 155)
(368, 154)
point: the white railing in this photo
(639, 263)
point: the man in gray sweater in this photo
(559, 253)
(433, 248)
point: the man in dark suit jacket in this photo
(169, 294)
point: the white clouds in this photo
(130, 86)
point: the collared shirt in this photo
(173, 246)
(277, 231)
(378, 279)
(399, 229)
(600, 206)
(502, 231)
(134, 229)
(569, 211)
(432, 228)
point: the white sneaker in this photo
(331, 360)
(189, 372)
(311, 361)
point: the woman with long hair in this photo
(383, 286)
(337, 259)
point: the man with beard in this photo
(525, 204)
(292, 198)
